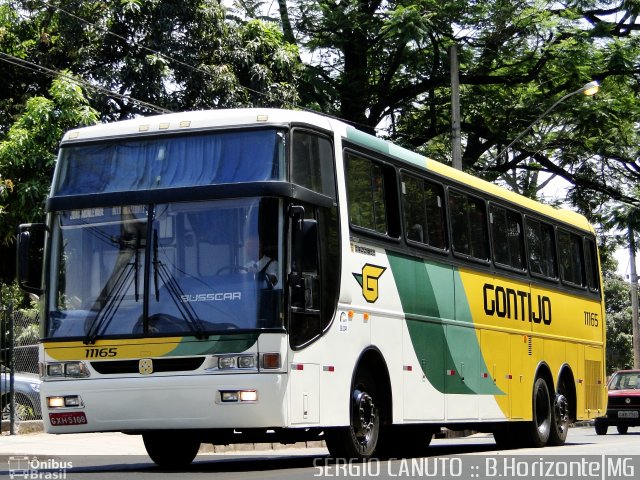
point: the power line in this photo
(19, 62)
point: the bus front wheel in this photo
(360, 438)
(170, 449)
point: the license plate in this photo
(67, 418)
(628, 414)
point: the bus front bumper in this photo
(165, 403)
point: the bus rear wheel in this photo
(360, 438)
(560, 417)
(539, 429)
(171, 450)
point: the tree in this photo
(618, 311)
(373, 62)
(28, 153)
(174, 54)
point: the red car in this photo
(623, 408)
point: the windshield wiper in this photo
(112, 299)
(175, 292)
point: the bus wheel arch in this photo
(369, 409)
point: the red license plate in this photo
(68, 418)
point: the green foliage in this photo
(28, 151)
(619, 330)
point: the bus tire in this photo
(622, 429)
(360, 438)
(560, 417)
(171, 450)
(539, 428)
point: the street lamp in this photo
(588, 89)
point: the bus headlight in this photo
(238, 361)
(67, 370)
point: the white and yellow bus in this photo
(263, 275)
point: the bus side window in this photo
(591, 261)
(571, 258)
(542, 249)
(423, 211)
(469, 234)
(366, 192)
(312, 163)
(507, 237)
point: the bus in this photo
(264, 275)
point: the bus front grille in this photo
(181, 364)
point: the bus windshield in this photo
(166, 269)
(171, 161)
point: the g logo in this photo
(145, 366)
(368, 280)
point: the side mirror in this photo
(30, 256)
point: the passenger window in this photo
(366, 191)
(312, 163)
(591, 258)
(542, 249)
(468, 226)
(571, 258)
(423, 211)
(507, 237)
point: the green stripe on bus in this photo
(384, 147)
(428, 294)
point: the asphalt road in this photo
(585, 455)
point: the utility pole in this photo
(634, 298)
(456, 144)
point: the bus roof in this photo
(206, 119)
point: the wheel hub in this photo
(365, 413)
(561, 411)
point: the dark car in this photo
(27, 395)
(623, 408)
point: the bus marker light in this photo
(350, 314)
(451, 372)
(271, 361)
(408, 368)
(164, 126)
(262, 118)
(297, 366)
(366, 316)
(329, 368)
(485, 375)
(143, 128)
(185, 124)
(508, 376)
